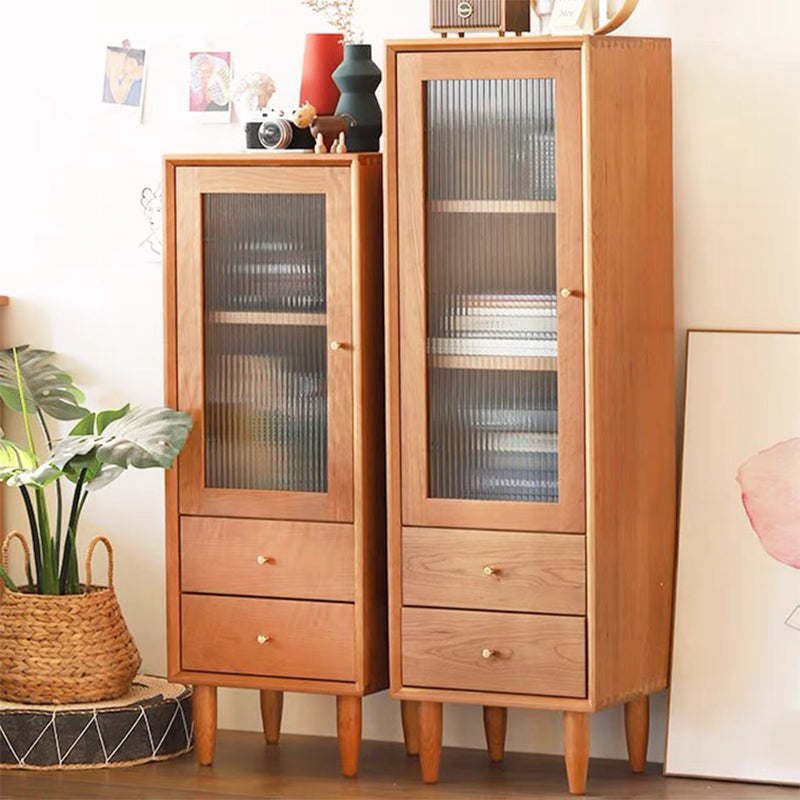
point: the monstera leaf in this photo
(78, 452)
(45, 386)
(146, 437)
(102, 446)
(18, 467)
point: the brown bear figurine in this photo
(328, 132)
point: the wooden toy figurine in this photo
(328, 132)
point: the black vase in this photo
(357, 78)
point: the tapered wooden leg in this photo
(637, 731)
(204, 711)
(429, 719)
(495, 722)
(271, 712)
(576, 749)
(409, 715)
(348, 728)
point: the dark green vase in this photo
(357, 78)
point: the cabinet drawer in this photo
(312, 561)
(495, 570)
(493, 652)
(300, 639)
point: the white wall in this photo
(71, 226)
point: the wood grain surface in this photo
(630, 395)
(490, 651)
(303, 639)
(308, 766)
(494, 570)
(264, 558)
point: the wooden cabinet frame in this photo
(353, 510)
(620, 236)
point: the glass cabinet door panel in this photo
(266, 369)
(264, 286)
(491, 290)
(496, 345)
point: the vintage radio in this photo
(460, 16)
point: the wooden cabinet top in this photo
(521, 43)
(283, 158)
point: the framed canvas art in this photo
(735, 700)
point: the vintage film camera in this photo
(276, 131)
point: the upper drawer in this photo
(491, 652)
(494, 570)
(313, 561)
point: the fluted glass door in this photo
(270, 269)
(496, 345)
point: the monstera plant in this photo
(97, 450)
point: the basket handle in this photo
(4, 553)
(89, 552)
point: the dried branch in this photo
(341, 15)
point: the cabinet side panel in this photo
(392, 355)
(370, 456)
(630, 365)
(172, 549)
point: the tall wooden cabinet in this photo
(530, 385)
(275, 511)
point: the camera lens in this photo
(275, 134)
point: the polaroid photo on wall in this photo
(124, 80)
(210, 86)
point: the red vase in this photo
(323, 53)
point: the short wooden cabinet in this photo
(275, 511)
(530, 382)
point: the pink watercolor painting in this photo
(770, 483)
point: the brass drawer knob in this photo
(262, 639)
(336, 345)
(565, 292)
(261, 560)
(490, 570)
(488, 654)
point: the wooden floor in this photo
(304, 767)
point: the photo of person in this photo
(210, 86)
(124, 77)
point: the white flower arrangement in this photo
(341, 15)
(252, 93)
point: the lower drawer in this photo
(494, 652)
(276, 638)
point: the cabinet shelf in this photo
(267, 318)
(521, 363)
(493, 206)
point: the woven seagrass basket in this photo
(65, 648)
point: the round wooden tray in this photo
(153, 722)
